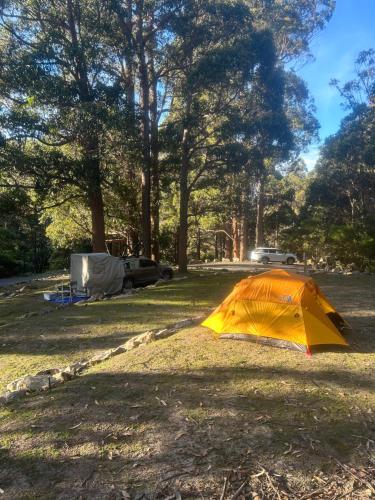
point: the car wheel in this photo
(127, 284)
(290, 261)
(265, 260)
(167, 275)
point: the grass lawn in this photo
(72, 333)
(177, 416)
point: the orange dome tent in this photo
(281, 308)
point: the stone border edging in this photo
(47, 379)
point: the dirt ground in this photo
(195, 417)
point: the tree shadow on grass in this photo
(69, 329)
(360, 335)
(106, 432)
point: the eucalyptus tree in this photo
(214, 55)
(348, 158)
(60, 89)
(360, 91)
(141, 32)
(299, 112)
(294, 23)
(340, 200)
(265, 133)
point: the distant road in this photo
(247, 266)
(15, 280)
(231, 266)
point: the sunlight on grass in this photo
(192, 400)
(72, 333)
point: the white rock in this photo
(117, 350)
(9, 396)
(98, 358)
(183, 323)
(161, 334)
(144, 338)
(31, 383)
(75, 368)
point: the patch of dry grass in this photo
(69, 334)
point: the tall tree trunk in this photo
(216, 254)
(222, 247)
(244, 218)
(124, 13)
(228, 246)
(129, 59)
(198, 243)
(184, 205)
(91, 165)
(155, 177)
(184, 193)
(243, 237)
(145, 112)
(90, 139)
(259, 231)
(146, 216)
(134, 242)
(236, 238)
(95, 201)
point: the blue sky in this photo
(350, 30)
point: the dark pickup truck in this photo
(140, 271)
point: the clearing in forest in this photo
(178, 416)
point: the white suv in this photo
(267, 255)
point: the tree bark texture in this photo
(95, 200)
(145, 110)
(236, 239)
(184, 204)
(198, 243)
(155, 176)
(259, 231)
(91, 162)
(89, 140)
(216, 252)
(244, 220)
(184, 192)
(244, 237)
(228, 246)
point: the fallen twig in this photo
(350, 492)
(75, 426)
(263, 471)
(315, 492)
(222, 496)
(271, 484)
(239, 490)
(363, 481)
(172, 476)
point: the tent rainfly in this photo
(280, 308)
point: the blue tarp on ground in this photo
(67, 300)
